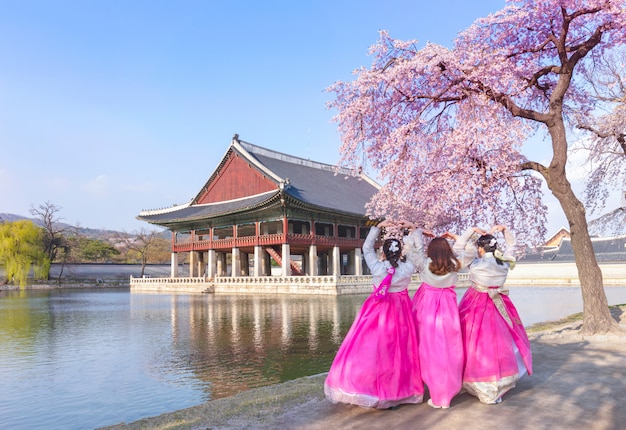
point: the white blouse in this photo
(415, 253)
(485, 271)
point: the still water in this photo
(85, 358)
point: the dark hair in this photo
(489, 244)
(443, 259)
(392, 256)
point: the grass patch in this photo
(616, 311)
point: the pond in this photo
(85, 358)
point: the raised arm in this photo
(414, 245)
(369, 254)
(466, 256)
(509, 239)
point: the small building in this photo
(261, 209)
(556, 239)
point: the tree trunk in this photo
(143, 265)
(596, 314)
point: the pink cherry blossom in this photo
(444, 127)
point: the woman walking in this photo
(497, 348)
(377, 363)
(436, 311)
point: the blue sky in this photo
(111, 107)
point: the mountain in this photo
(92, 233)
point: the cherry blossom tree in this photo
(445, 127)
(606, 147)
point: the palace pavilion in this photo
(268, 222)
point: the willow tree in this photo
(21, 248)
(445, 127)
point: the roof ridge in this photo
(259, 150)
(238, 199)
(168, 209)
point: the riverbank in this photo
(578, 383)
(118, 275)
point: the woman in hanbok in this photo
(377, 364)
(436, 311)
(497, 349)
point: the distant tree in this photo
(96, 250)
(161, 251)
(53, 231)
(144, 243)
(445, 127)
(20, 250)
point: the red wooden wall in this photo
(235, 180)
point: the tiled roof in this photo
(187, 212)
(312, 183)
(322, 187)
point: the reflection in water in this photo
(237, 342)
(111, 356)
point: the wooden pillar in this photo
(221, 264)
(235, 264)
(336, 261)
(322, 264)
(192, 263)
(174, 268)
(304, 266)
(256, 269)
(358, 262)
(211, 264)
(258, 263)
(267, 264)
(285, 229)
(286, 257)
(193, 256)
(313, 269)
(244, 267)
(201, 264)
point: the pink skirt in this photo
(377, 364)
(440, 342)
(497, 353)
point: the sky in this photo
(111, 107)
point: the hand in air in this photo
(428, 233)
(406, 224)
(480, 231)
(497, 228)
(449, 235)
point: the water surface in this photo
(85, 358)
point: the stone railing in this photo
(318, 285)
(170, 285)
(326, 285)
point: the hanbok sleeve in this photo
(371, 258)
(511, 245)
(414, 249)
(464, 253)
